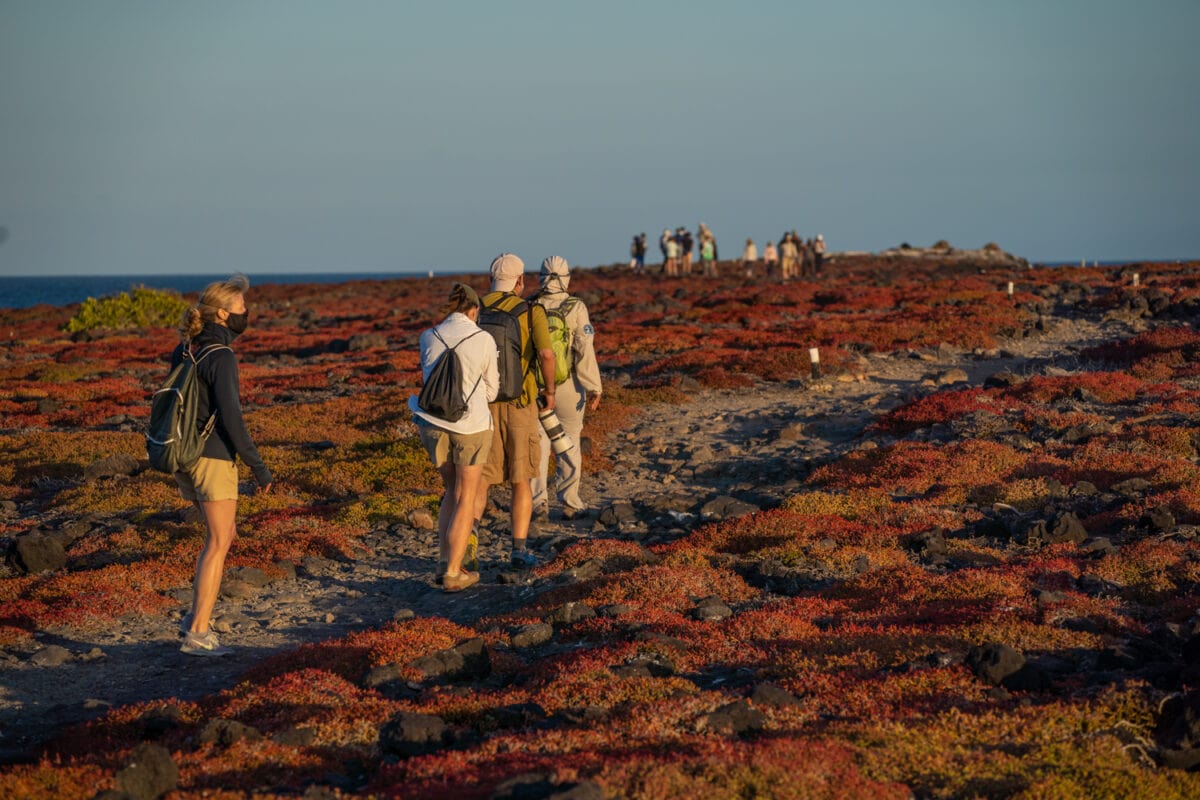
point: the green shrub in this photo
(140, 308)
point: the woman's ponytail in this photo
(191, 324)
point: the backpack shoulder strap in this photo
(456, 344)
(207, 351)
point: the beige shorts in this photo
(516, 444)
(211, 479)
(463, 449)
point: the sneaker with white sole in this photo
(203, 644)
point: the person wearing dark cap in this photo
(579, 392)
(459, 448)
(516, 437)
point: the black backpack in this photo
(442, 395)
(174, 440)
(503, 322)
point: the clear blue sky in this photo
(149, 137)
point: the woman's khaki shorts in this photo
(211, 479)
(462, 449)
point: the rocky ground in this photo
(721, 453)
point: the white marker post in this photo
(1010, 290)
(1083, 262)
(814, 355)
(1137, 279)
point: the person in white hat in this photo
(514, 453)
(579, 392)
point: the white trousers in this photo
(569, 401)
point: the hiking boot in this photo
(471, 559)
(203, 644)
(570, 512)
(463, 580)
(523, 559)
(541, 513)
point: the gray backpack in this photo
(174, 440)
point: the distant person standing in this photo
(818, 253)
(522, 338)
(662, 245)
(806, 257)
(749, 258)
(639, 253)
(789, 257)
(708, 262)
(579, 392)
(671, 264)
(705, 234)
(686, 246)
(770, 259)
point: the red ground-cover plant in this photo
(870, 642)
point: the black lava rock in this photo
(149, 773)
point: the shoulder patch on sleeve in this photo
(588, 330)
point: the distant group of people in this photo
(793, 257)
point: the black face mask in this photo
(238, 322)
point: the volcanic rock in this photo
(366, 341)
(768, 694)
(1178, 730)
(711, 609)
(954, 375)
(570, 612)
(51, 656)
(110, 467)
(518, 715)
(540, 786)
(1131, 487)
(39, 552)
(1002, 380)
(738, 717)
(725, 507)
(1159, 519)
(149, 773)
(422, 519)
(410, 734)
(618, 513)
(993, 663)
(532, 635)
(467, 660)
(928, 543)
(225, 732)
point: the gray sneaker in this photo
(203, 644)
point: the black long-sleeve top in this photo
(218, 372)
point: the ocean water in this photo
(23, 292)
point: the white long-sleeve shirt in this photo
(477, 357)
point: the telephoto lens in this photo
(554, 430)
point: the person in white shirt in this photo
(459, 449)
